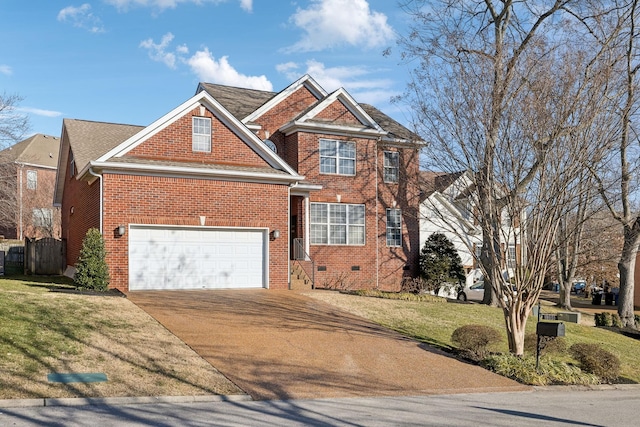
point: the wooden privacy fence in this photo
(45, 256)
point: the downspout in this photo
(20, 209)
(377, 221)
(289, 233)
(101, 207)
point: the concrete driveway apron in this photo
(284, 345)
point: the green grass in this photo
(35, 326)
(434, 323)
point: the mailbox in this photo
(550, 329)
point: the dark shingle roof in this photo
(239, 102)
(431, 182)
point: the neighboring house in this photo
(28, 174)
(228, 188)
(447, 207)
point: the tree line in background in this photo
(539, 100)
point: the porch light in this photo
(121, 230)
(275, 234)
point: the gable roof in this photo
(38, 150)
(249, 104)
(430, 182)
(239, 102)
(90, 140)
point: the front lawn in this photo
(434, 322)
(43, 332)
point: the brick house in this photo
(228, 188)
(28, 174)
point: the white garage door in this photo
(196, 258)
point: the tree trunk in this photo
(627, 267)
(516, 325)
(564, 300)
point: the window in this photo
(42, 217)
(394, 227)
(72, 165)
(391, 166)
(511, 256)
(337, 224)
(32, 180)
(201, 134)
(337, 157)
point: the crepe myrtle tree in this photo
(502, 89)
(440, 264)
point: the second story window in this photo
(201, 134)
(337, 157)
(391, 166)
(32, 180)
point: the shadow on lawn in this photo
(43, 340)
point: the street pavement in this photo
(550, 406)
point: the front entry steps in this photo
(299, 279)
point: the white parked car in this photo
(474, 292)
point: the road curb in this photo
(107, 401)
(599, 387)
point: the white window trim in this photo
(388, 228)
(337, 157)
(347, 225)
(396, 167)
(194, 134)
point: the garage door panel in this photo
(196, 258)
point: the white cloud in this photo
(158, 52)
(208, 69)
(161, 5)
(6, 70)
(203, 64)
(356, 80)
(331, 23)
(246, 5)
(81, 17)
(39, 112)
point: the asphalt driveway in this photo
(284, 345)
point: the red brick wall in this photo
(340, 261)
(286, 111)
(337, 113)
(80, 211)
(174, 143)
(132, 199)
(41, 197)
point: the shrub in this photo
(547, 344)
(440, 263)
(523, 370)
(603, 319)
(596, 360)
(475, 340)
(92, 272)
(616, 321)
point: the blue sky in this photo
(131, 61)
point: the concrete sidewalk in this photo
(283, 345)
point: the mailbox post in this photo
(546, 329)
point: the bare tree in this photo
(501, 89)
(13, 127)
(617, 174)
